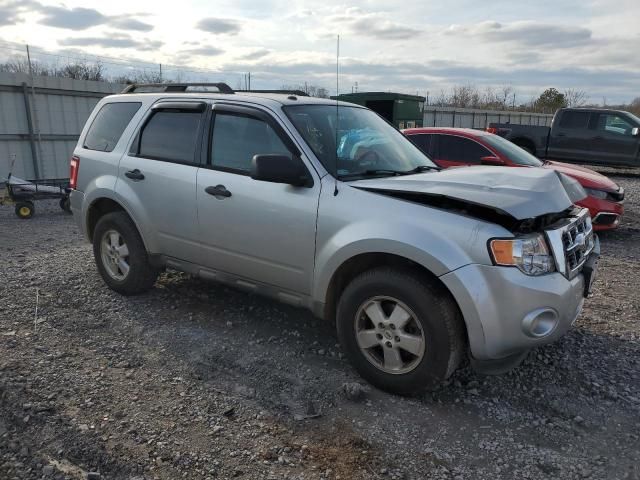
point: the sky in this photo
(410, 46)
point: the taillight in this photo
(492, 130)
(74, 166)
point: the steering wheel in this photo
(370, 158)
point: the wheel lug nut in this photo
(393, 327)
(380, 325)
(379, 336)
(397, 339)
(388, 344)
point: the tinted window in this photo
(171, 135)
(458, 149)
(611, 123)
(422, 141)
(237, 138)
(574, 119)
(108, 125)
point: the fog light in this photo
(540, 323)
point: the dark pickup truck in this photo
(580, 135)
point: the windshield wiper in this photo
(372, 173)
(422, 168)
(382, 171)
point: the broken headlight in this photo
(530, 254)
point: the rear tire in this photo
(25, 210)
(120, 255)
(406, 356)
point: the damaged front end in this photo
(520, 200)
(537, 206)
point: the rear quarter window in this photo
(108, 125)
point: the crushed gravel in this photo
(196, 380)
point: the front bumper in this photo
(499, 303)
(606, 214)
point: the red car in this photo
(454, 147)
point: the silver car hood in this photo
(521, 193)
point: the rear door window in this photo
(574, 120)
(108, 125)
(171, 135)
(459, 149)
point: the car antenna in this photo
(335, 173)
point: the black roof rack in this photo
(175, 87)
(298, 93)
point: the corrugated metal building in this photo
(39, 126)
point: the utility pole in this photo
(160, 73)
(249, 81)
(35, 111)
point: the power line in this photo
(113, 61)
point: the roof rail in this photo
(174, 87)
(298, 93)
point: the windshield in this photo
(513, 152)
(366, 144)
(635, 117)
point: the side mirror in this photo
(635, 132)
(277, 168)
(493, 161)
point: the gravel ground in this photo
(195, 380)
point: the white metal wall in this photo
(476, 118)
(58, 113)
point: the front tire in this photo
(120, 255)
(401, 330)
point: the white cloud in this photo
(409, 46)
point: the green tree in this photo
(550, 100)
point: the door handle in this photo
(134, 175)
(219, 191)
(561, 134)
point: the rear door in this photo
(454, 151)
(157, 177)
(612, 139)
(260, 231)
(570, 137)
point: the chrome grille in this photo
(572, 243)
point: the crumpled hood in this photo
(520, 192)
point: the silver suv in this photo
(326, 206)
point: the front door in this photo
(612, 139)
(264, 232)
(455, 151)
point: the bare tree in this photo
(82, 71)
(21, 65)
(311, 90)
(576, 98)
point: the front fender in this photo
(357, 222)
